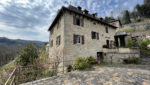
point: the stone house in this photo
(75, 32)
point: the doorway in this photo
(100, 57)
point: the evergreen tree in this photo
(30, 53)
(126, 17)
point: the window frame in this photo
(95, 35)
(58, 40)
(78, 39)
(79, 21)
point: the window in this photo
(78, 21)
(58, 40)
(51, 43)
(95, 35)
(106, 28)
(94, 23)
(107, 43)
(78, 39)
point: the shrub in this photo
(131, 43)
(144, 47)
(132, 60)
(138, 20)
(49, 73)
(91, 60)
(80, 63)
(30, 53)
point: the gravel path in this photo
(99, 76)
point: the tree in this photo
(143, 10)
(30, 53)
(126, 17)
(146, 1)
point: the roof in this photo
(121, 34)
(79, 12)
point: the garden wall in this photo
(119, 54)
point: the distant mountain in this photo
(19, 42)
(10, 48)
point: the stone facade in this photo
(66, 29)
(91, 46)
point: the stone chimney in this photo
(86, 11)
(79, 8)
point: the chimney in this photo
(79, 8)
(101, 18)
(94, 14)
(86, 11)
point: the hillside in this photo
(18, 42)
(10, 48)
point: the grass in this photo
(6, 68)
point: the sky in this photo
(30, 19)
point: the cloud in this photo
(30, 19)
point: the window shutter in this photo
(74, 20)
(82, 39)
(74, 39)
(97, 36)
(82, 22)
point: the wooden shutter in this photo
(74, 20)
(97, 36)
(74, 39)
(82, 39)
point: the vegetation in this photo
(126, 17)
(91, 60)
(30, 53)
(126, 29)
(132, 60)
(34, 64)
(8, 53)
(143, 47)
(138, 20)
(139, 12)
(130, 43)
(143, 10)
(80, 63)
(5, 71)
(10, 49)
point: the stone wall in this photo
(141, 30)
(117, 55)
(138, 26)
(58, 30)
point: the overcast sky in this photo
(30, 19)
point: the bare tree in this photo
(57, 58)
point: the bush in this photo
(132, 60)
(49, 73)
(138, 20)
(91, 60)
(80, 63)
(143, 47)
(30, 53)
(131, 43)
